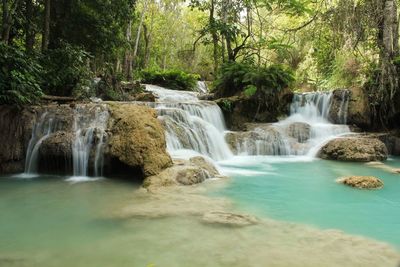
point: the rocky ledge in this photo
(362, 182)
(360, 149)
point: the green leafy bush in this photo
(172, 79)
(66, 72)
(235, 77)
(19, 77)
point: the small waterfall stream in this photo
(89, 128)
(40, 132)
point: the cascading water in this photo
(42, 129)
(302, 133)
(344, 106)
(192, 126)
(89, 127)
(202, 87)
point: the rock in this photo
(15, 131)
(137, 138)
(354, 149)
(382, 166)
(358, 112)
(184, 172)
(145, 97)
(239, 110)
(362, 182)
(205, 165)
(58, 144)
(300, 131)
(260, 139)
(227, 218)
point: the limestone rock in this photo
(354, 149)
(58, 144)
(138, 138)
(362, 182)
(205, 165)
(228, 218)
(300, 131)
(184, 172)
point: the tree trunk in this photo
(214, 36)
(46, 25)
(29, 31)
(387, 95)
(136, 48)
(128, 53)
(9, 9)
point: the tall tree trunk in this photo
(136, 48)
(9, 9)
(214, 36)
(388, 92)
(46, 25)
(29, 31)
(128, 52)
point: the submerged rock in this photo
(362, 182)
(354, 149)
(137, 138)
(228, 218)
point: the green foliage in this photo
(250, 90)
(231, 78)
(242, 77)
(172, 79)
(227, 105)
(66, 71)
(19, 77)
(345, 71)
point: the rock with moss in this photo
(361, 182)
(137, 138)
(354, 149)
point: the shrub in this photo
(235, 77)
(19, 77)
(66, 71)
(172, 79)
(231, 78)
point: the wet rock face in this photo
(15, 131)
(300, 131)
(58, 144)
(362, 182)
(137, 138)
(354, 149)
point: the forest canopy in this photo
(59, 46)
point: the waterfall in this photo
(89, 127)
(42, 129)
(344, 106)
(202, 87)
(302, 133)
(192, 126)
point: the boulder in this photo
(362, 182)
(137, 138)
(300, 131)
(354, 149)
